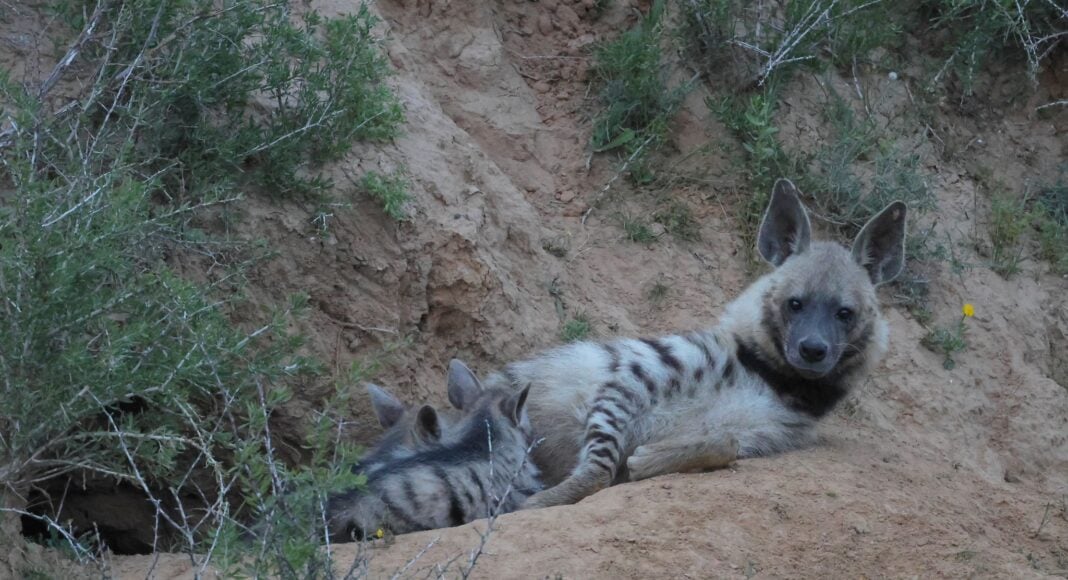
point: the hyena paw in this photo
(537, 501)
(641, 463)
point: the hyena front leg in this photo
(682, 455)
(602, 452)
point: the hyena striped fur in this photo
(784, 353)
(481, 468)
(408, 430)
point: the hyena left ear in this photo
(387, 408)
(785, 229)
(880, 245)
(427, 425)
(464, 386)
(515, 407)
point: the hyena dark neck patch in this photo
(814, 397)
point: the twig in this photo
(74, 50)
(622, 170)
(1060, 103)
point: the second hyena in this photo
(784, 353)
(477, 466)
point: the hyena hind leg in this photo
(600, 460)
(587, 479)
(682, 455)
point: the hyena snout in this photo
(813, 350)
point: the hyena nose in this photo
(813, 351)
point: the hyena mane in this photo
(783, 354)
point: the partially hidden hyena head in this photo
(785, 351)
(434, 470)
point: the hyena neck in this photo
(814, 397)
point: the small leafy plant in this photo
(950, 340)
(576, 329)
(390, 190)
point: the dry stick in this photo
(485, 536)
(621, 171)
(75, 49)
(6, 136)
(396, 575)
(1060, 103)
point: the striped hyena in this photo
(783, 354)
(479, 466)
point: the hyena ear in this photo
(464, 386)
(785, 229)
(880, 245)
(387, 408)
(515, 407)
(427, 425)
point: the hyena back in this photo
(784, 353)
(478, 467)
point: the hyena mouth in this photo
(809, 370)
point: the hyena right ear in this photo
(880, 245)
(785, 229)
(464, 386)
(514, 407)
(427, 425)
(387, 408)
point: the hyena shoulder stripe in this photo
(481, 468)
(783, 354)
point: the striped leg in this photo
(602, 451)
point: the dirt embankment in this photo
(924, 471)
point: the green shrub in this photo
(636, 101)
(390, 190)
(752, 44)
(981, 30)
(578, 328)
(1051, 217)
(116, 368)
(1009, 220)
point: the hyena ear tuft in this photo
(785, 229)
(880, 245)
(515, 406)
(427, 426)
(386, 407)
(464, 386)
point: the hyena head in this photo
(425, 489)
(504, 408)
(408, 429)
(818, 313)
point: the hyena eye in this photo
(794, 304)
(844, 315)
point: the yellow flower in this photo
(968, 310)
(379, 533)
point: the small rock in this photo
(545, 24)
(657, 229)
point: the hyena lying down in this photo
(783, 354)
(447, 474)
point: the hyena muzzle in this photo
(477, 467)
(784, 353)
